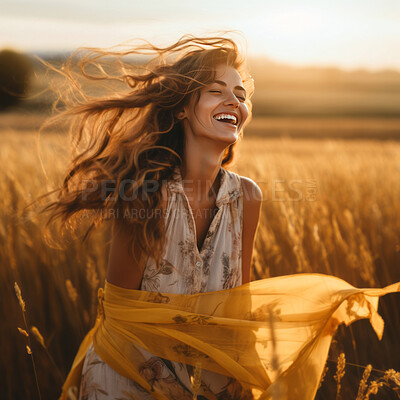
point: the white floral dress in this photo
(184, 270)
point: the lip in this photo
(229, 112)
(228, 125)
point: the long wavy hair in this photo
(125, 140)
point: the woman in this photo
(204, 211)
(181, 124)
(179, 317)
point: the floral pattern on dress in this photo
(231, 276)
(186, 249)
(158, 372)
(207, 255)
(183, 270)
(151, 276)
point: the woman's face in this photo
(223, 98)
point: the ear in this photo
(181, 115)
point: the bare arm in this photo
(123, 269)
(252, 200)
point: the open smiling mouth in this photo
(227, 121)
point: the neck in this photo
(200, 182)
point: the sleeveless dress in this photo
(184, 270)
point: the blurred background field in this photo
(324, 148)
(288, 101)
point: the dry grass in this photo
(330, 206)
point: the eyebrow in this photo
(224, 84)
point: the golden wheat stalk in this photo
(19, 296)
(323, 376)
(363, 383)
(72, 293)
(392, 375)
(40, 339)
(340, 371)
(29, 345)
(38, 336)
(23, 332)
(373, 389)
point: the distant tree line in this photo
(16, 71)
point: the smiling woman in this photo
(171, 137)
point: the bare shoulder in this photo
(252, 194)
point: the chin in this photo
(234, 137)
(228, 139)
(225, 138)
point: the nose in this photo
(232, 100)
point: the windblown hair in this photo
(123, 141)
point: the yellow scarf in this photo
(272, 335)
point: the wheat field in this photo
(330, 206)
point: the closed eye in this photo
(218, 91)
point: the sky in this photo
(350, 34)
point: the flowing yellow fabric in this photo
(273, 335)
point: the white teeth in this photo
(226, 116)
